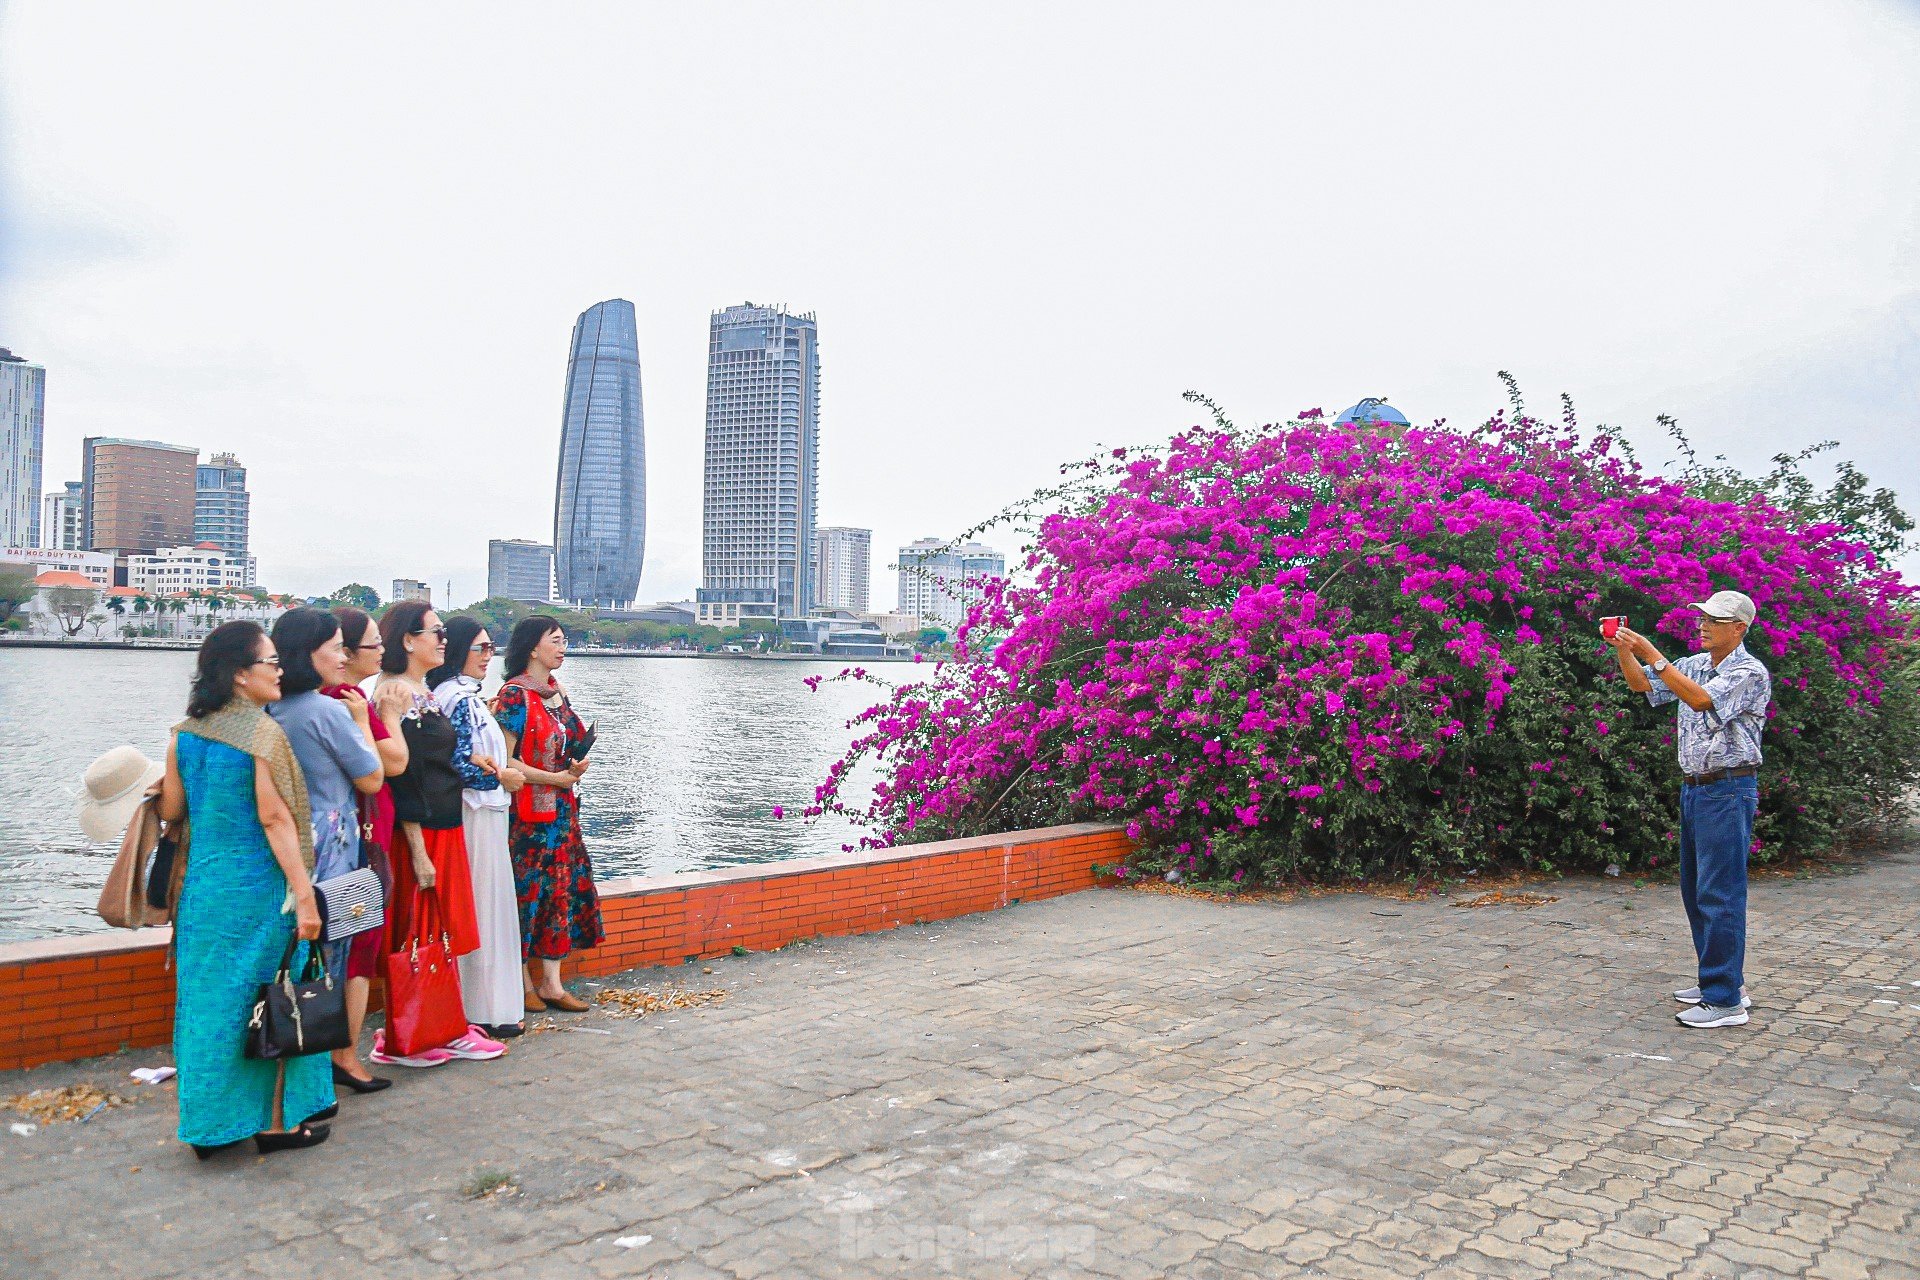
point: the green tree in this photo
(929, 637)
(71, 605)
(357, 595)
(16, 588)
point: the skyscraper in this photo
(63, 519)
(220, 504)
(763, 457)
(23, 396)
(842, 567)
(139, 494)
(520, 569)
(941, 583)
(600, 499)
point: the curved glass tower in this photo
(600, 498)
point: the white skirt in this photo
(490, 984)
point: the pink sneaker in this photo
(475, 1045)
(426, 1058)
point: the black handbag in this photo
(294, 1017)
(160, 872)
(351, 903)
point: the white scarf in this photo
(487, 738)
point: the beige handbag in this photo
(123, 900)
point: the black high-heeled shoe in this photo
(325, 1113)
(208, 1153)
(348, 1080)
(305, 1135)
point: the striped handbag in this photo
(350, 904)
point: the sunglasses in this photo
(485, 646)
(439, 632)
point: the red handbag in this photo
(424, 1008)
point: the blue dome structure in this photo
(1373, 409)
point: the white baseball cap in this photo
(1728, 604)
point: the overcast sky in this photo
(348, 242)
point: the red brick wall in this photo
(76, 997)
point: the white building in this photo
(941, 582)
(63, 518)
(895, 625)
(23, 394)
(410, 589)
(95, 566)
(202, 567)
(842, 568)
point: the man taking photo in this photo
(1723, 695)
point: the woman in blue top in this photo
(232, 771)
(333, 740)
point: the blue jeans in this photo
(1716, 830)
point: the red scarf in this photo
(543, 744)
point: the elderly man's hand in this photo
(1633, 642)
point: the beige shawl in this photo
(244, 726)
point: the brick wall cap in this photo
(628, 886)
(114, 942)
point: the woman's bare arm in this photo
(173, 791)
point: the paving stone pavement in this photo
(1113, 1084)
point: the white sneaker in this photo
(1707, 1015)
(1691, 995)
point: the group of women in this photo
(339, 742)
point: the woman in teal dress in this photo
(232, 774)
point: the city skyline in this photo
(968, 285)
(600, 490)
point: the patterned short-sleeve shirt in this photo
(1726, 734)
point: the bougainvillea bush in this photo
(1335, 650)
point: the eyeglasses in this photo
(266, 662)
(377, 644)
(485, 646)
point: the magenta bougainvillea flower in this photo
(1336, 650)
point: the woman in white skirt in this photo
(489, 977)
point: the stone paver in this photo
(1114, 1084)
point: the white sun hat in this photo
(113, 788)
(1728, 604)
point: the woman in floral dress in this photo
(553, 876)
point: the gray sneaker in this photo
(1708, 1015)
(1691, 995)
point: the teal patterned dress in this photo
(229, 934)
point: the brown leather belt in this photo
(1715, 775)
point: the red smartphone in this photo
(1609, 627)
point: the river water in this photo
(692, 757)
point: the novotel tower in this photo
(600, 498)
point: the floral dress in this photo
(552, 874)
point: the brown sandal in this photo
(534, 1004)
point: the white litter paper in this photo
(153, 1075)
(23, 1130)
(633, 1242)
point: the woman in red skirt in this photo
(429, 849)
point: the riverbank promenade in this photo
(1114, 1083)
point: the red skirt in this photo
(452, 876)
